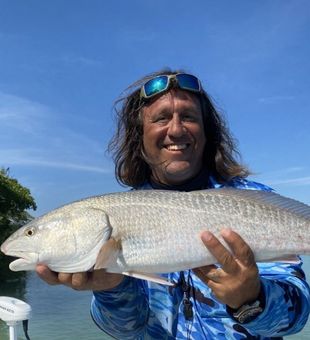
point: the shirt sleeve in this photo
(287, 300)
(121, 312)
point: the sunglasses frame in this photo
(170, 77)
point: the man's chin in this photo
(178, 175)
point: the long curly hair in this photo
(220, 157)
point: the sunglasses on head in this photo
(161, 84)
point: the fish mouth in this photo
(22, 260)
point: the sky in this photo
(64, 63)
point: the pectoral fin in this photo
(149, 277)
(108, 254)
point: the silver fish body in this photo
(159, 231)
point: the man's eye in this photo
(160, 119)
(189, 118)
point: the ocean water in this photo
(60, 313)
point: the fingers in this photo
(239, 247)
(216, 248)
(95, 280)
(77, 281)
(210, 274)
(237, 281)
(240, 250)
(47, 275)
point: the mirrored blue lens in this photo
(155, 85)
(188, 82)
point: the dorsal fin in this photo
(267, 197)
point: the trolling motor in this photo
(13, 311)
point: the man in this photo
(171, 137)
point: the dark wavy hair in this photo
(131, 168)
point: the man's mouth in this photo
(177, 147)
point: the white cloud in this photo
(275, 99)
(56, 164)
(20, 114)
(81, 60)
(284, 171)
(292, 181)
(281, 177)
(32, 134)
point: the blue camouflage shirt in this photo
(138, 309)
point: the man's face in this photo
(173, 136)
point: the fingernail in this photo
(206, 236)
(226, 232)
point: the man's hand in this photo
(237, 281)
(95, 280)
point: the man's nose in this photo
(176, 127)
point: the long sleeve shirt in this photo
(138, 309)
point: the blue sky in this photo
(64, 63)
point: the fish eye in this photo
(30, 231)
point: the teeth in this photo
(175, 147)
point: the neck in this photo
(199, 182)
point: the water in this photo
(60, 313)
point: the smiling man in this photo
(171, 137)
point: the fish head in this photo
(24, 244)
(64, 240)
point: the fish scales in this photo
(163, 225)
(159, 231)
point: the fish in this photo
(144, 232)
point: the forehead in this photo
(172, 98)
